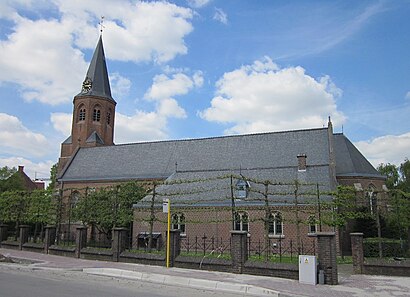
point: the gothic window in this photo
(96, 114)
(275, 223)
(178, 222)
(81, 114)
(372, 198)
(312, 223)
(241, 221)
(75, 197)
(242, 188)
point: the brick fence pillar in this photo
(3, 233)
(239, 250)
(80, 240)
(119, 243)
(357, 252)
(50, 237)
(174, 246)
(24, 230)
(326, 253)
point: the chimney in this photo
(302, 162)
(21, 168)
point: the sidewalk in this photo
(248, 285)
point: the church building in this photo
(215, 184)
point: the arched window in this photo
(178, 222)
(97, 114)
(242, 188)
(372, 198)
(275, 223)
(81, 114)
(241, 221)
(75, 197)
(312, 223)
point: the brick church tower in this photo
(93, 111)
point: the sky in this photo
(205, 68)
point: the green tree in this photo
(392, 173)
(10, 180)
(6, 172)
(40, 210)
(109, 207)
(398, 182)
(13, 208)
(53, 177)
(404, 183)
(343, 207)
(398, 218)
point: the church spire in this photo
(96, 82)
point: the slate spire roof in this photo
(96, 81)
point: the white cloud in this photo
(15, 138)
(120, 86)
(43, 57)
(198, 79)
(62, 122)
(263, 97)
(407, 97)
(165, 87)
(220, 16)
(141, 126)
(33, 170)
(38, 56)
(386, 149)
(141, 31)
(198, 3)
(169, 108)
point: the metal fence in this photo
(278, 216)
(386, 248)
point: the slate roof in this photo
(210, 161)
(349, 160)
(98, 74)
(94, 137)
(151, 160)
(68, 140)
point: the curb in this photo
(183, 281)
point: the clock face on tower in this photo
(87, 84)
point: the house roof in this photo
(158, 160)
(27, 183)
(350, 161)
(97, 74)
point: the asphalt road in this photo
(21, 281)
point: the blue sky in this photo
(200, 68)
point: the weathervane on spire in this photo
(101, 24)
